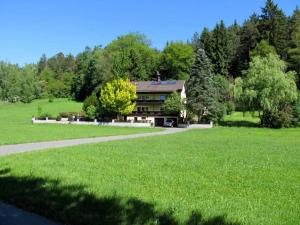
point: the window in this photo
(142, 109)
(162, 97)
(143, 97)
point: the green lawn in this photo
(16, 127)
(222, 175)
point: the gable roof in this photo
(159, 86)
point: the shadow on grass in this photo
(73, 205)
(241, 123)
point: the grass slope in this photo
(16, 127)
(219, 176)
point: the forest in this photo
(233, 53)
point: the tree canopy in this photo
(117, 96)
(267, 87)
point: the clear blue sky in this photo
(33, 27)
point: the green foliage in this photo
(267, 88)
(18, 84)
(91, 112)
(224, 90)
(91, 100)
(263, 49)
(92, 70)
(56, 74)
(176, 61)
(294, 45)
(234, 42)
(200, 88)
(117, 97)
(174, 104)
(296, 112)
(220, 53)
(132, 57)
(249, 37)
(273, 27)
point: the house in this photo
(151, 96)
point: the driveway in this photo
(27, 147)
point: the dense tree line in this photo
(213, 58)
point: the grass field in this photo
(221, 176)
(16, 127)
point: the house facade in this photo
(151, 96)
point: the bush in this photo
(90, 100)
(68, 114)
(296, 113)
(45, 115)
(280, 119)
(58, 118)
(91, 112)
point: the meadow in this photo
(220, 176)
(16, 126)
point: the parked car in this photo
(168, 123)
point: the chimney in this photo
(158, 76)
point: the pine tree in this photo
(196, 41)
(220, 48)
(207, 42)
(201, 94)
(273, 27)
(249, 38)
(294, 45)
(233, 45)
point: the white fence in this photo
(199, 126)
(95, 122)
(116, 124)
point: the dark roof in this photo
(159, 86)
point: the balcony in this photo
(149, 101)
(148, 113)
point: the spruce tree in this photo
(201, 94)
(249, 38)
(220, 56)
(273, 27)
(207, 43)
(233, 46)
(294, 45)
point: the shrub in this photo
(68, 114)
(58, 118)
(90, 100)
(279, 119)
(44, 116)
(91, 112)
(296, 113)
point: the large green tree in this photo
(263, 49)
(249, 37)
(18, 83)
(132, 57)
(294, 45)
(55, 75)
(273, 27)
(234, 42)
(174, 105)
(268, 89)
(176, 61)
(200, 88)
(92, 71)
(117, 97)
(220, 56)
